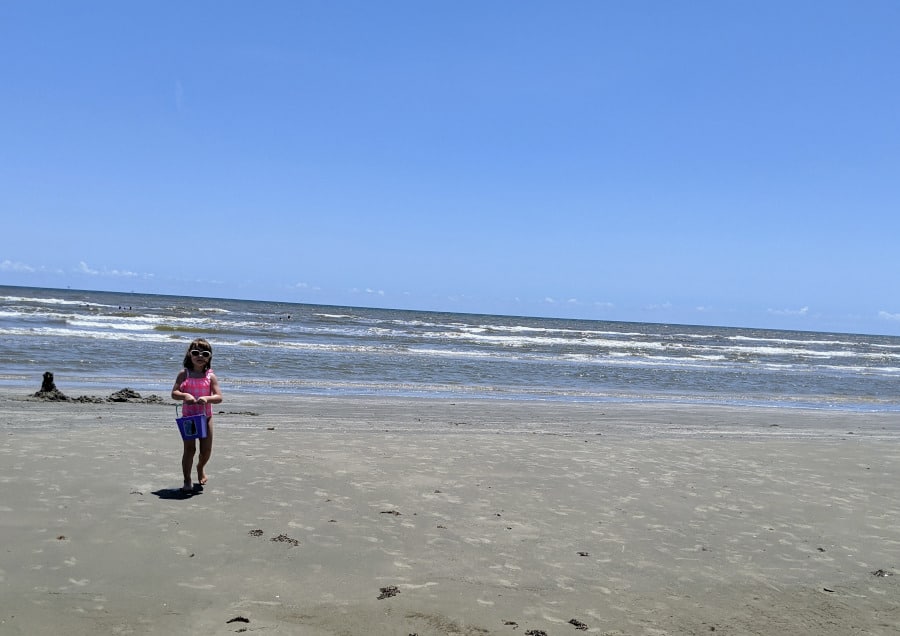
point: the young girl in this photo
(198, 388)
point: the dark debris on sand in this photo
(238, 619)
(578, 624)
(283, 538)
(388, 592)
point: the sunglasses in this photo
(201, 354)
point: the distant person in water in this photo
(198, 388)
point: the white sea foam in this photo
(793, 341)
(460, 353)
(785, 351)
(100, 324)
(85, 334)
(51, 301)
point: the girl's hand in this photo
(200, 400)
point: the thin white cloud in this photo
(84, 268)
(886, 315)
(306, 286)
(549, 300)
(367, 290)
(659, 306)
(573, 301)
(15, 266)
(790, 312)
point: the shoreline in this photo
(354, 413)
(401, 516)
(828, 407)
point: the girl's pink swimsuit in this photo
(198, 387)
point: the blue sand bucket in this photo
(191, 426)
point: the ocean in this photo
(91, 340)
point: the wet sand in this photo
(399, 516)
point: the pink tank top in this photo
(198, 387)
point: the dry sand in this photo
(397, 517)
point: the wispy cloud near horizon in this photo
(803, 311)
(84, 268)
(367, 290)
(15, 266)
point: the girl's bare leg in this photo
(187, 461)
(205, 454)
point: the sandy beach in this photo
(403, 516)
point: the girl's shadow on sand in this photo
(178, 493)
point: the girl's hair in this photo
(202, 345)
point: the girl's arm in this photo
(177, 393)
(215, 395)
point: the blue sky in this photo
(708, 162)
